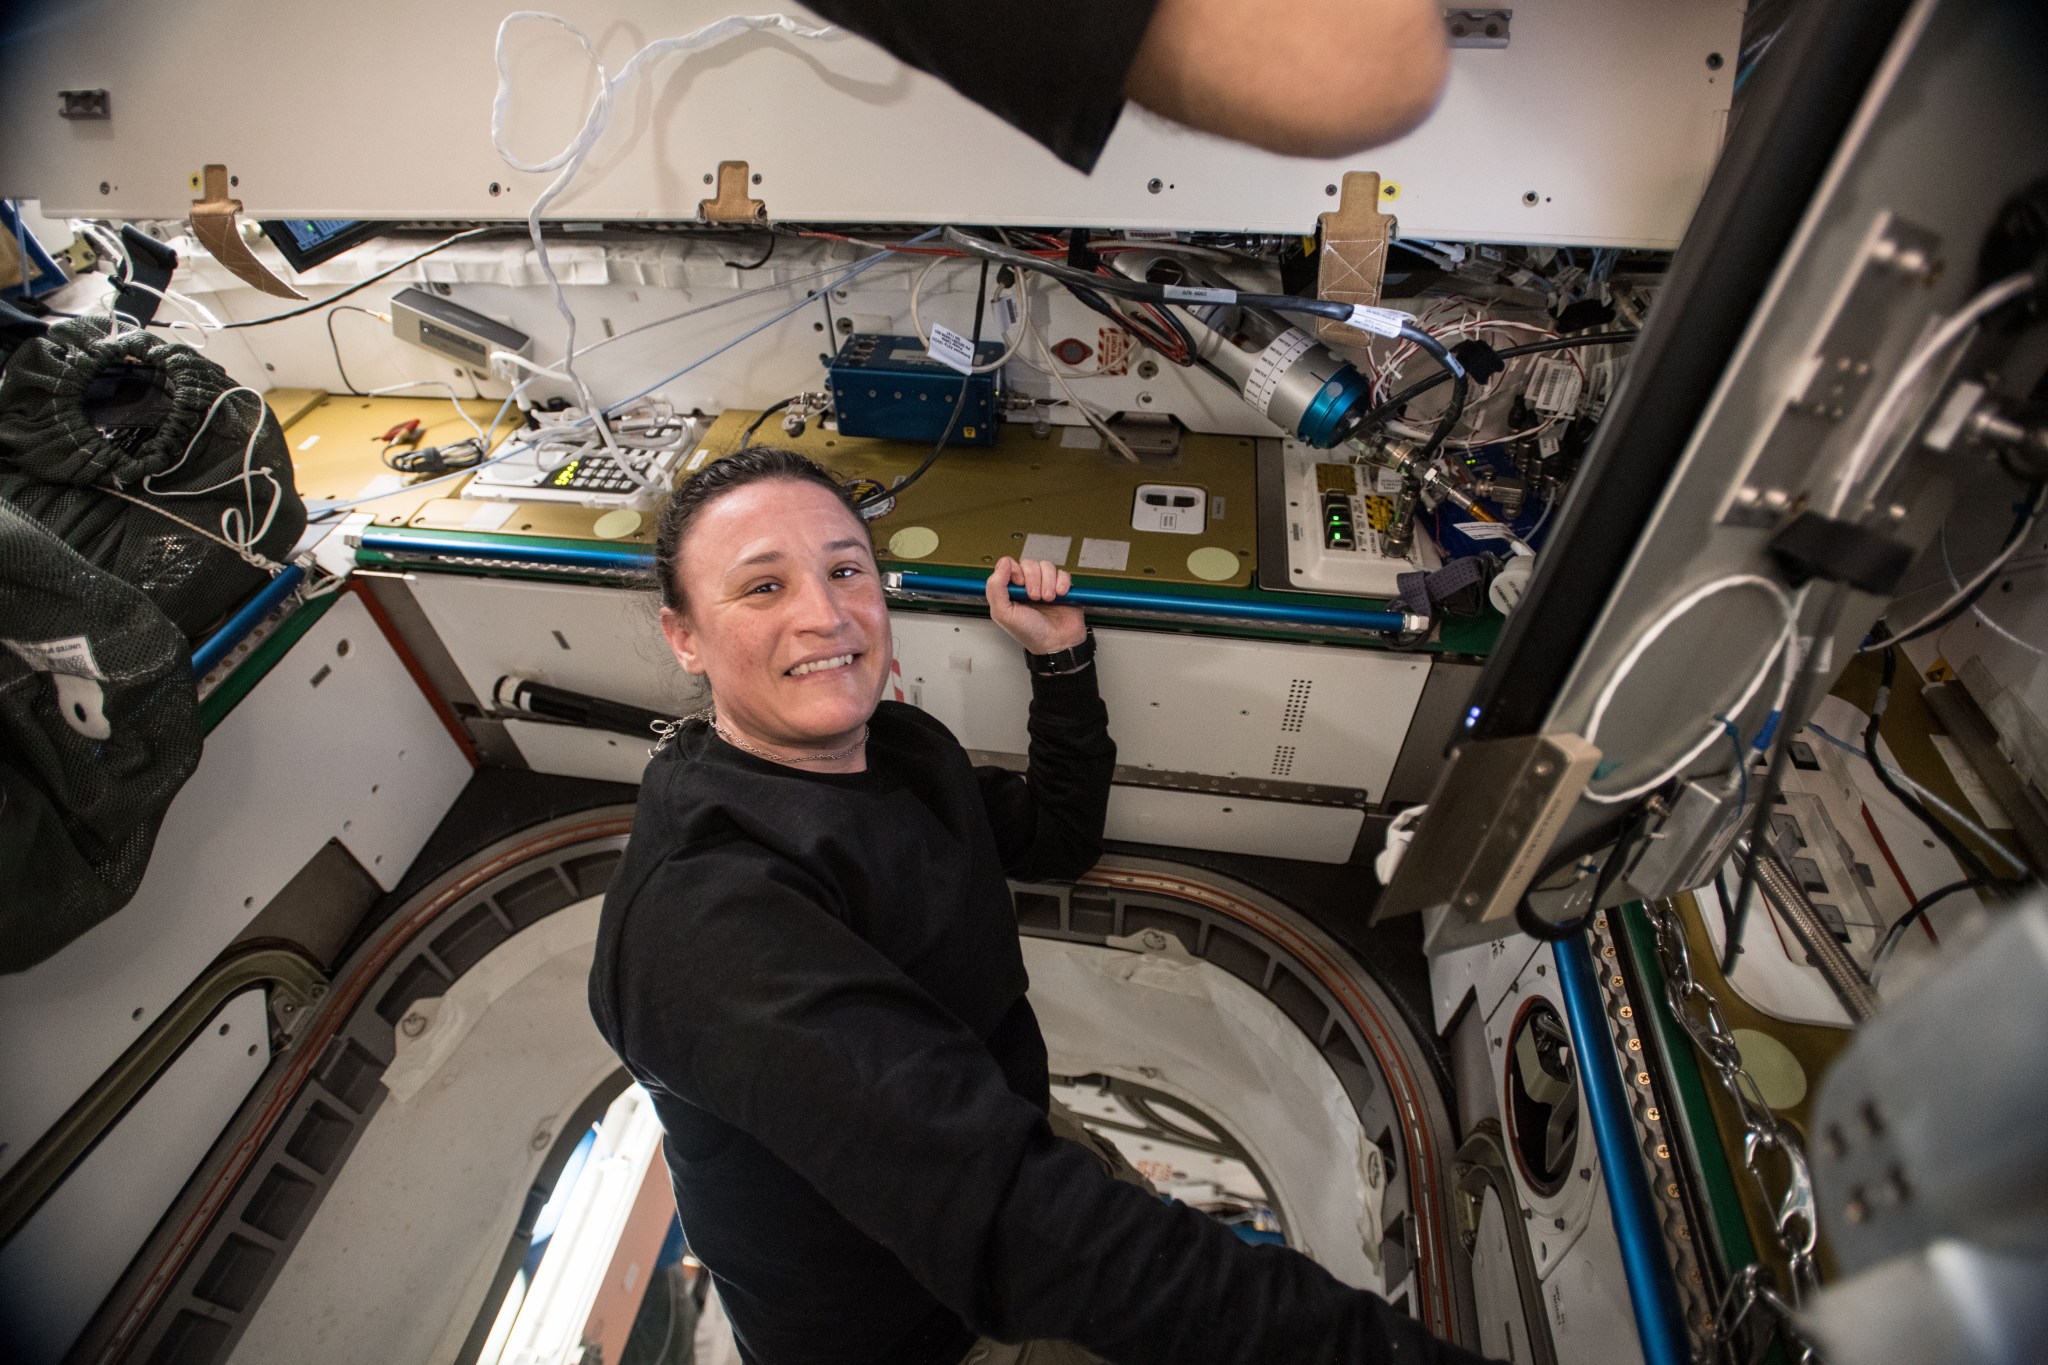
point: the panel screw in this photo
(105, 188)
(757, 177)
(1154, 185)
(1330, 190)
(413, 1025)
(1715, 61)
(540, 1140)
(1531, 198)
(496, 189)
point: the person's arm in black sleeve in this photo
(1052, 69)
(1048, 822)
(1320, 78)
(744, 994)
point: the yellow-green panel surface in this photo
(337, 447)
(978, 504)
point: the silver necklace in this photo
(739, 743)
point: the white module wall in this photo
(1245, 709)
(1596, 125)
(335, 743)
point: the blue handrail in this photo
(1127, 599)
(625, 559)
(216, 646)
(1643, 1261)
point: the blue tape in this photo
(1643, 1262)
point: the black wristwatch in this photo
(1065, 661)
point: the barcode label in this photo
(1554, 387)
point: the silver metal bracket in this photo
(1876, 313)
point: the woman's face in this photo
(783, 613)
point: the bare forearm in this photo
(1317, 78)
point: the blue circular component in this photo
(1322, 424)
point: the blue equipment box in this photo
(887, 387)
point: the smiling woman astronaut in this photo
(810, 960)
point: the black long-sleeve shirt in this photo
(1053, 69)
(818, 979)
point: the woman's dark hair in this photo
(755, 464)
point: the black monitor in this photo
(306, 242)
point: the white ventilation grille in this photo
(1283, 760)
(1297, 705)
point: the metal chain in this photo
(1795, 1221)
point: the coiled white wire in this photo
(1780, 652)
(569, 160)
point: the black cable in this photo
(1428, 382)
(765, 414)
(1974, 865)
(1893, 935)
(756, 265)
(1727, 905)
(1798, 702)
(361, 285)
(952, 420)
(1094, 302)
(467, 453)
(335, 346)
(1142, 290)
(1543, 931)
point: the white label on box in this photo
(1180, 293)
(1052, 548)
(1387, 481)
(1549, 442)
(71, 655)
(951, 349)
(1006, 312)
(1485, 530)
(1554, 387)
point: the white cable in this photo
(1977, 580)
(1977, 608)
(924, 335)
(1116, 442)
(1780, 651)
(230, 518)
(569, 160)
(1885, 419)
